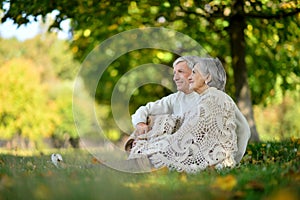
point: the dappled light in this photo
(66, 104)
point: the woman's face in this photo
(197, 81)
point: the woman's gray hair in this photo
(213, 67)
(190, 60)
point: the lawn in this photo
(269, 170)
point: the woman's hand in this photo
(141, 128)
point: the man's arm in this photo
(159, 107)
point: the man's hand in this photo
(141, 128)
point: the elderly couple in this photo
(197, 127)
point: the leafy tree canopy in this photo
(272, 33)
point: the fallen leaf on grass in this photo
(226, 183)
(295, 140)
(1, 162)
(284, 194)
(294, 175)
(255, 185)
(49, 173)
(42, 192)
(96, 161)
(183, 177)
(30, 165)
(162, 171)
(5, 181)
(239, 195)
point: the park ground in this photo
(269, 170)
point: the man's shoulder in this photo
(179, 96)
(174, 95)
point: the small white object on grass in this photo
(56, 159)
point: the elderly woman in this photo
(204, 136)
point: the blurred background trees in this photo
(257, 41)
(36, 93)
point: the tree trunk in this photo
(238, 48)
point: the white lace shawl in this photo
(200, 138)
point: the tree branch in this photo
(272, 16)
(206, 14)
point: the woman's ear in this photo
(208, 78)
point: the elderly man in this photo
(182, 101)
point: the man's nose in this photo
(175, 77)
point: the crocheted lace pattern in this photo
(200, 138)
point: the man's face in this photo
(181, 75)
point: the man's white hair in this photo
(190, 60)
(206, 65)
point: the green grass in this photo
(268, 171)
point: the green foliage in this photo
(271, 31)
(276, 59)
(24, 108)
(36, 91)
(62, 96)
(118, 68)
(268, 171)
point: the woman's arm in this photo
(243, 134)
